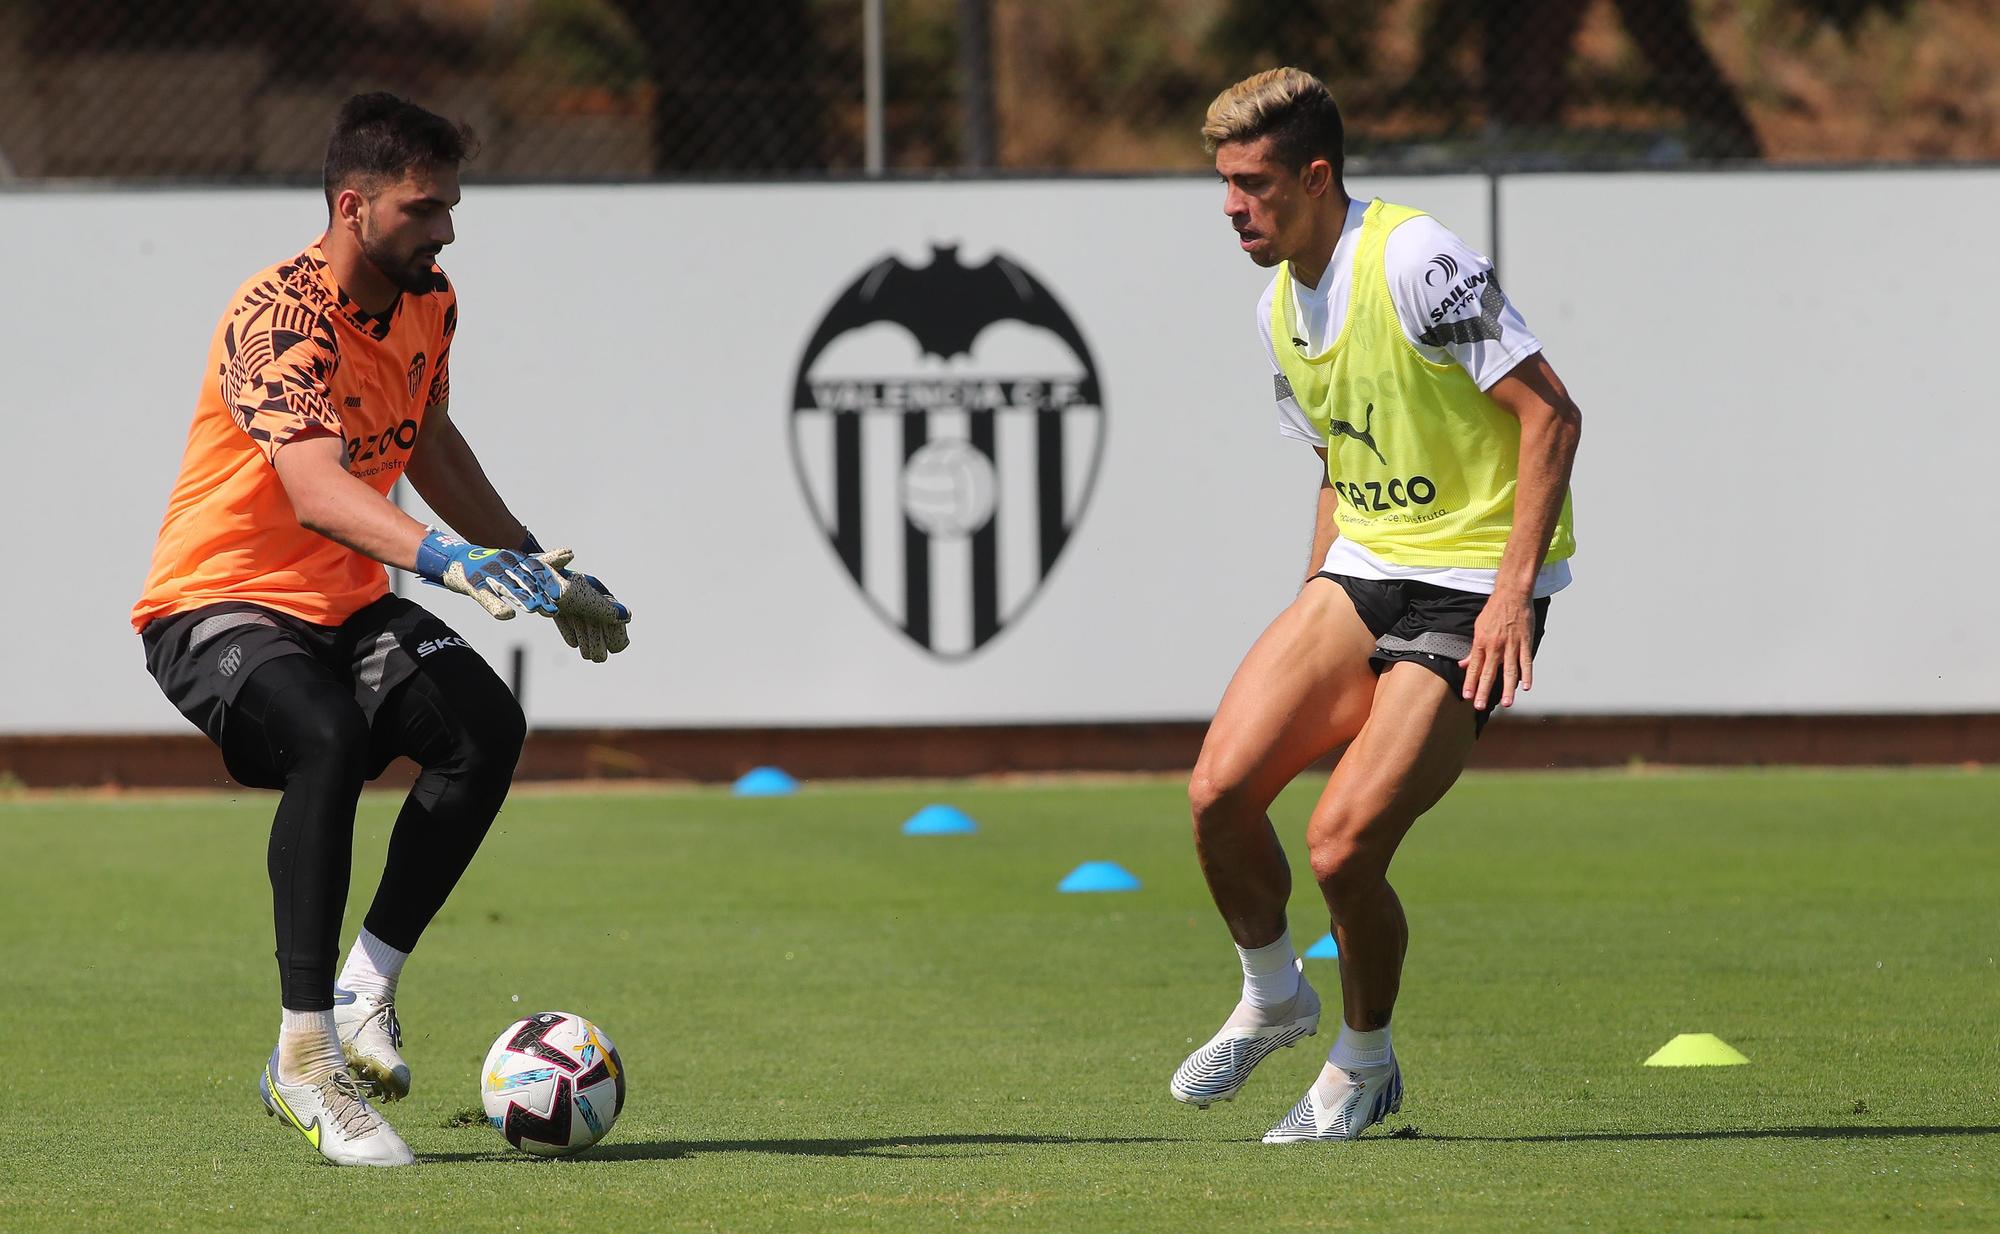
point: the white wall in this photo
(1787, 497)
(1744, 347)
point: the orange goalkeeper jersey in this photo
(293, 358)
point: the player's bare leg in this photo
(1302, 691)
(1405, 758)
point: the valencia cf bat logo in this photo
(947, 425)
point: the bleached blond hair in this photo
(1288, 104)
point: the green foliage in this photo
(1328, 38)
(585, 42)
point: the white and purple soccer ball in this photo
(553, 1084)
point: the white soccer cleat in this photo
(1341, 1105)
(371, 1040)
(335, 1118)
(1217, 1071)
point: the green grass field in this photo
(829, 1026)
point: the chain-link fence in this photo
(643, 88)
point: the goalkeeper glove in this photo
(588, 616)
(500, 579)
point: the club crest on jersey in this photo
(947, 425)
(416, 373)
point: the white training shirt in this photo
(1429, 271)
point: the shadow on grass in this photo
(914, 1146)
(1738, 1133)
(894, 1147)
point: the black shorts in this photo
(1423, 624)
(200, 658)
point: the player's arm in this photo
(447, 475)
(333, 503)
(1449, 300)
(327, 500)
(1325, 530)
(1551, 426)
(277, 385)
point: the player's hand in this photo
(500, 579)
(588, 616)
(1503, 650)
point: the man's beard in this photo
(412, 274)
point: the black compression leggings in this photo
(295, 726)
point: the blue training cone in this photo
(1324, 949)
(1099, 876)
(765, 782)
(937, 820)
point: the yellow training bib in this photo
(1424, 462)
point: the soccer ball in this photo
(553, 1084)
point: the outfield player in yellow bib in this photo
(1442, 529)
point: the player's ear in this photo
(1318, 177)
(347, 204)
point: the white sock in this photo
(1355, 1049)
(1270, 973)
(372, 967)
(308, 1047)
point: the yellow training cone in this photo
(1696, 1050)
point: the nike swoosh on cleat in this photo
(311, 1133)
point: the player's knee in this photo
(1345, 871)
(1216, 799)
(492, 735)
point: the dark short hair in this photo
(379, 138)
(1290, 106)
